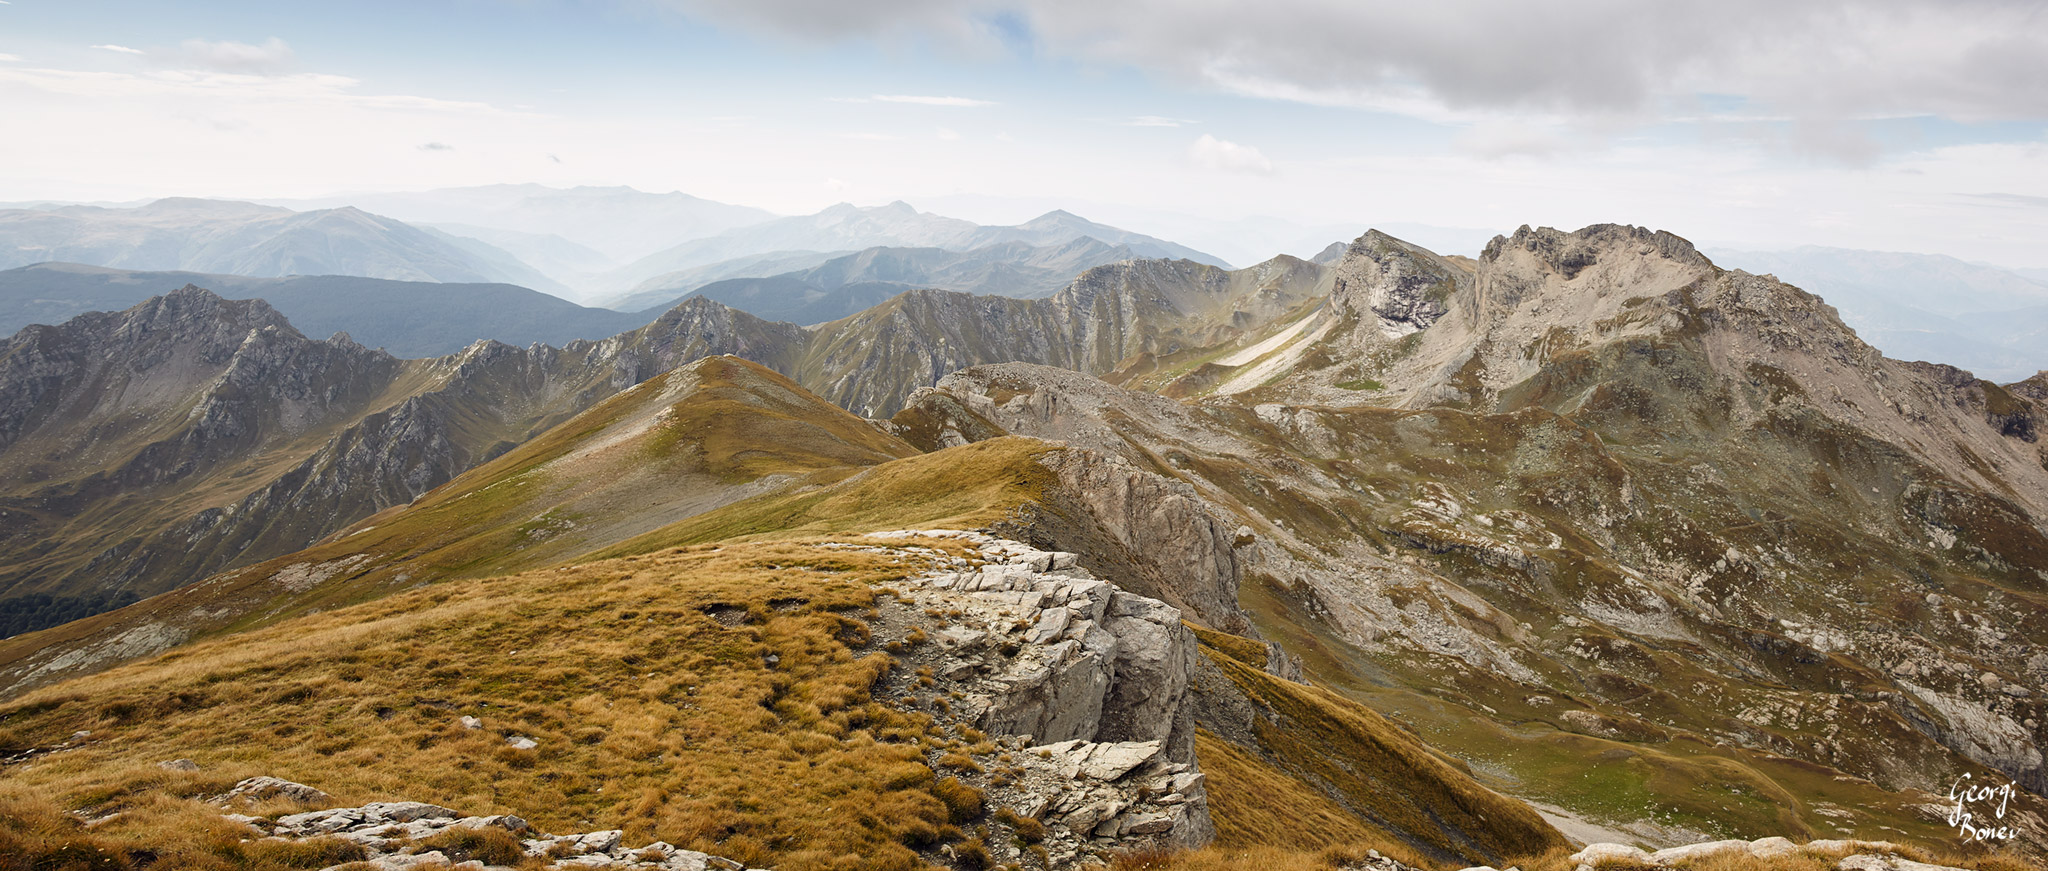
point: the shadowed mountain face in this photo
(1661, 545)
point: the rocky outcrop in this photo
(397, 835)
(1157, 535)
(1154, 534)
(1077, 691)
(1089, 682)
(1404, 289)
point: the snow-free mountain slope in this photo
(1920, 306)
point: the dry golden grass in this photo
(1257, 805)
(1224, 859)
(646, 681)
(159, 827)
(1322, 771)
(1819, 860)
(1274, 858)
(964, 487)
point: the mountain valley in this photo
(1460, 560)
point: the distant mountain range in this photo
(846, 227)
(844, 285)
(234, 238)
(621, 223)
(570, 243)
(406, 318)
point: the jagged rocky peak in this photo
(1401, 287)
(189, 320)
(1571, 253)
(165, 353)
(1602, 260)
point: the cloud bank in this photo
(1576, 60)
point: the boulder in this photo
(259, 788)
(1873, 862)
(1602, 853)
(1693, 852)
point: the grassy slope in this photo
(963, 487)
(1316, 770)
(1328, 779)
(651, 715)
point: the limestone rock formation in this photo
(387, 832)
(1091, 682)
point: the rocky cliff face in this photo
(1150, 530)
(1402, 288)
(1090, 679)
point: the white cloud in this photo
(957, 102)
(947, 134)
(121, 49)
(1495, 139)
(1221, 155)
(9, 58)
(1597, 65)
(868, 137)
(436, 146)
(1156, 121)
(238, 57)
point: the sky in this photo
(1904, 125)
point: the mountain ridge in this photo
(1657, 543)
